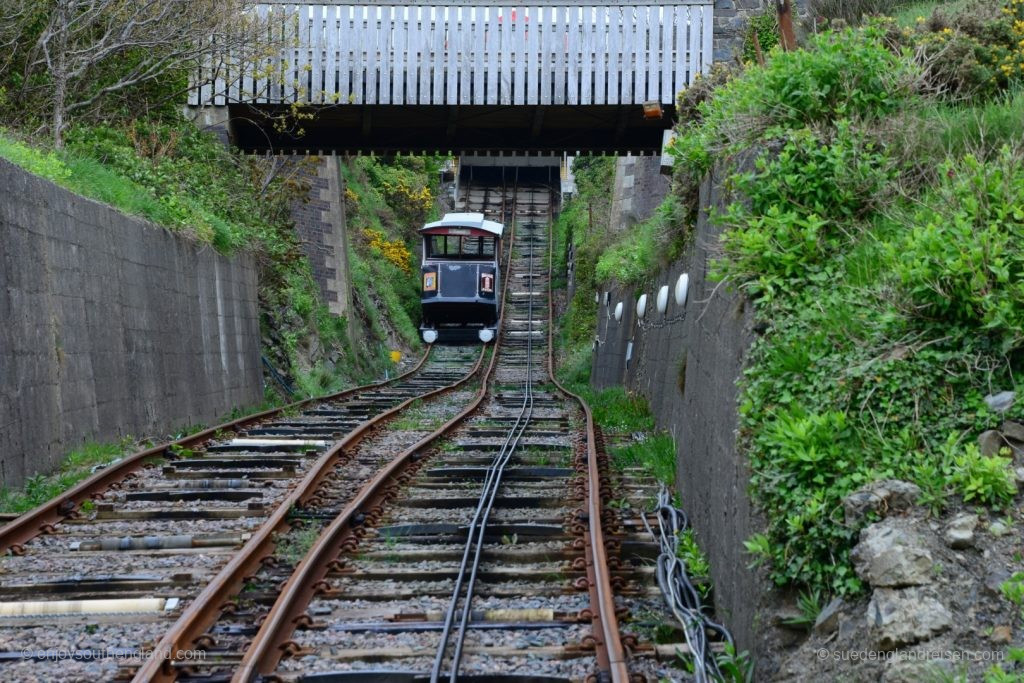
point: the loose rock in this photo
(905, 617)
(994, 581)
(891, 557)
(990, 442)
(1000, 402)
(1013, 430)
(828, 619)
(915, 671)
(884, 496)
(1002, 635)
(998, 529)
(960, 532)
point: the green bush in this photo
(781, 231)
(985, 479)
(643, 248)
(974, 53)
(766, 27)
(963, 260)
(845, 75)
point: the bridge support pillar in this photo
(212, 118)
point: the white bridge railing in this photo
(556, 53)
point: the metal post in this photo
(787, 37)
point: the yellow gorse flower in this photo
(393, 251)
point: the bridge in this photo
(457, 76)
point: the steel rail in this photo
(41, 520)
(271, 641)
(488, 493)
(605, 624)
(204, 610)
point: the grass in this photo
(77, 466)
(980, 129)
(88, 178)
(294, 545)
(908, 14)
(617, 411)
(656, 455)
(641, 250)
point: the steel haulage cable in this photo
(680, 594)
(478, 525)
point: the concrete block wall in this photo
(320, 225)
(686, 363)
(639, 189)
(112, 326)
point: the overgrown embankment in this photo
(877, 230)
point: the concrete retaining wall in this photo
(111, 326)
(686, 363)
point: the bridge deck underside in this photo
(415, 129)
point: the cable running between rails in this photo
(478, 525)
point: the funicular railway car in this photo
(461, 278)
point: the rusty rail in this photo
(204, 610)
(273, 639)
(611, 654)
(41, 520)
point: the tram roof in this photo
(466, 220)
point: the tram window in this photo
(454, 246)
(441, 246)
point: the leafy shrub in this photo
(963, 261)
(986, 479)
(766, 27)
(697, 565)
(971, 54)
(642, 248)
(394, 251)
(844, 75)
(813, 462)
(780, 233)
(404, 184)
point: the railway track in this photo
(132, 548)
(452, 525)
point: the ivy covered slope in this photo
(386, 203)
(880, 232)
